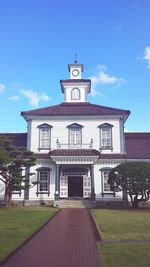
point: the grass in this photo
(123, 226)
(124, 255)
(17, 224)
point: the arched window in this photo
(75, 94)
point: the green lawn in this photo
(124, 225)
(17, 224)
(124, 255)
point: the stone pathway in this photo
(67, 240)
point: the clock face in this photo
(75, 72)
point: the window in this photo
(106, 187)
(16, 188)
(45, 136)
(75, 135)
(105, 136)
(75, 94)
(43, 179)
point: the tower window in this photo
(75, 94)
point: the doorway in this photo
(75, 186)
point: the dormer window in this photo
(105, 136)
(75, 94)
(44, 136)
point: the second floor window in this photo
(105, 136)
(45, 136)
(75, 135)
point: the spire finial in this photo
(75, 57)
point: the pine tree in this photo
(13, 162)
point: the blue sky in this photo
(40, 37)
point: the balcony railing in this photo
(74, 146)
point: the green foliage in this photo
(133, 177)
(12, 163)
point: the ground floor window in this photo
(43, 180)
(106, 188)
(17, 187)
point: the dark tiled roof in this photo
(137, 145)
(113, 156)
(74, 152)
(41, 155)
(76, 109)
(16, 139)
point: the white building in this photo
(76, 144)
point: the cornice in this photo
(75, 159)
(110, 161)
(75, 118)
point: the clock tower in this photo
(75, 70)
(75, 89)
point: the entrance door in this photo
(75, 186)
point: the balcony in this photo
(74, 146)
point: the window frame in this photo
(106, 192)
(41, 127)
(39, 171)
(102, 127)
(14, 191)
(74, 126)
(74, 95)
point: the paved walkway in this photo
(66, 241)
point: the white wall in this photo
(33, 178)
(98, 180)
(68, 90)
(90, 131)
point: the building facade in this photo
(76, 144)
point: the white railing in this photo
(74, 146)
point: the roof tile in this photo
(75, 109)
(137, 145)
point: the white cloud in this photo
(147, 55)
(45, 97)
(14, 98)
(102, 78)
(2, 87)
(34, 97)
